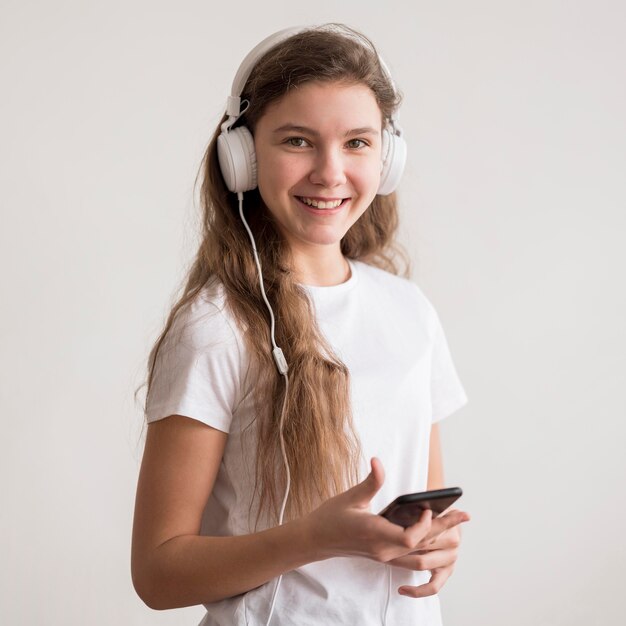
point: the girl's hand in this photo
(344, 525)
(439, 556)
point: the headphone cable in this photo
(282, 366)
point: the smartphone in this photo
(406, 510)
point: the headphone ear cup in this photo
(394, 160)
(237, 159)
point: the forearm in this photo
(435, 460)
(192, 569)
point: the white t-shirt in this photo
(402, 380)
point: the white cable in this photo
(282, 366)
(282, 509)
(388, 594)
(281, 363)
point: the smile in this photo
(322, 204)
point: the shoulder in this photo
(200, 367)
(205, 321)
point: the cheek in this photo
(278, 173)
(367, 176)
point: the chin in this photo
(324, 239)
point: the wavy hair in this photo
(320, 442)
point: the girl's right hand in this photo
(345, 526)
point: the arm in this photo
(172, 565)
(435, 460)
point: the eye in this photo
(296, 142)
(356, 144)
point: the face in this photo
(319, 161)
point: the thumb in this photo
(366, 490)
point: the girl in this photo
(295, 388)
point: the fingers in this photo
(437, 553)
(444, 523)
(427, 561)
(378, 473)
(427, 532)
(416, 533)
(433, 586)
(450, 538)
(362, 493)
(430, 536)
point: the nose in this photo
(328, 168)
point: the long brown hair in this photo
(321, 446)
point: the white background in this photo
(512, 211)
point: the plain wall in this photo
(512, 210)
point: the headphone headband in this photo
(247, 65)
(233, 105)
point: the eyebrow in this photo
(365, 130)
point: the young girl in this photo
(296, 387)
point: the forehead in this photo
(324, 106)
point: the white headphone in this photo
(235, 146)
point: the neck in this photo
(321, 270)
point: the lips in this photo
(322, 204)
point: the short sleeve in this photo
(447, 392)
(198, 369)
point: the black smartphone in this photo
(406, 510)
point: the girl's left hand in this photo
(440, 558)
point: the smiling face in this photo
(319, 160)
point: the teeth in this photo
(320, 204)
